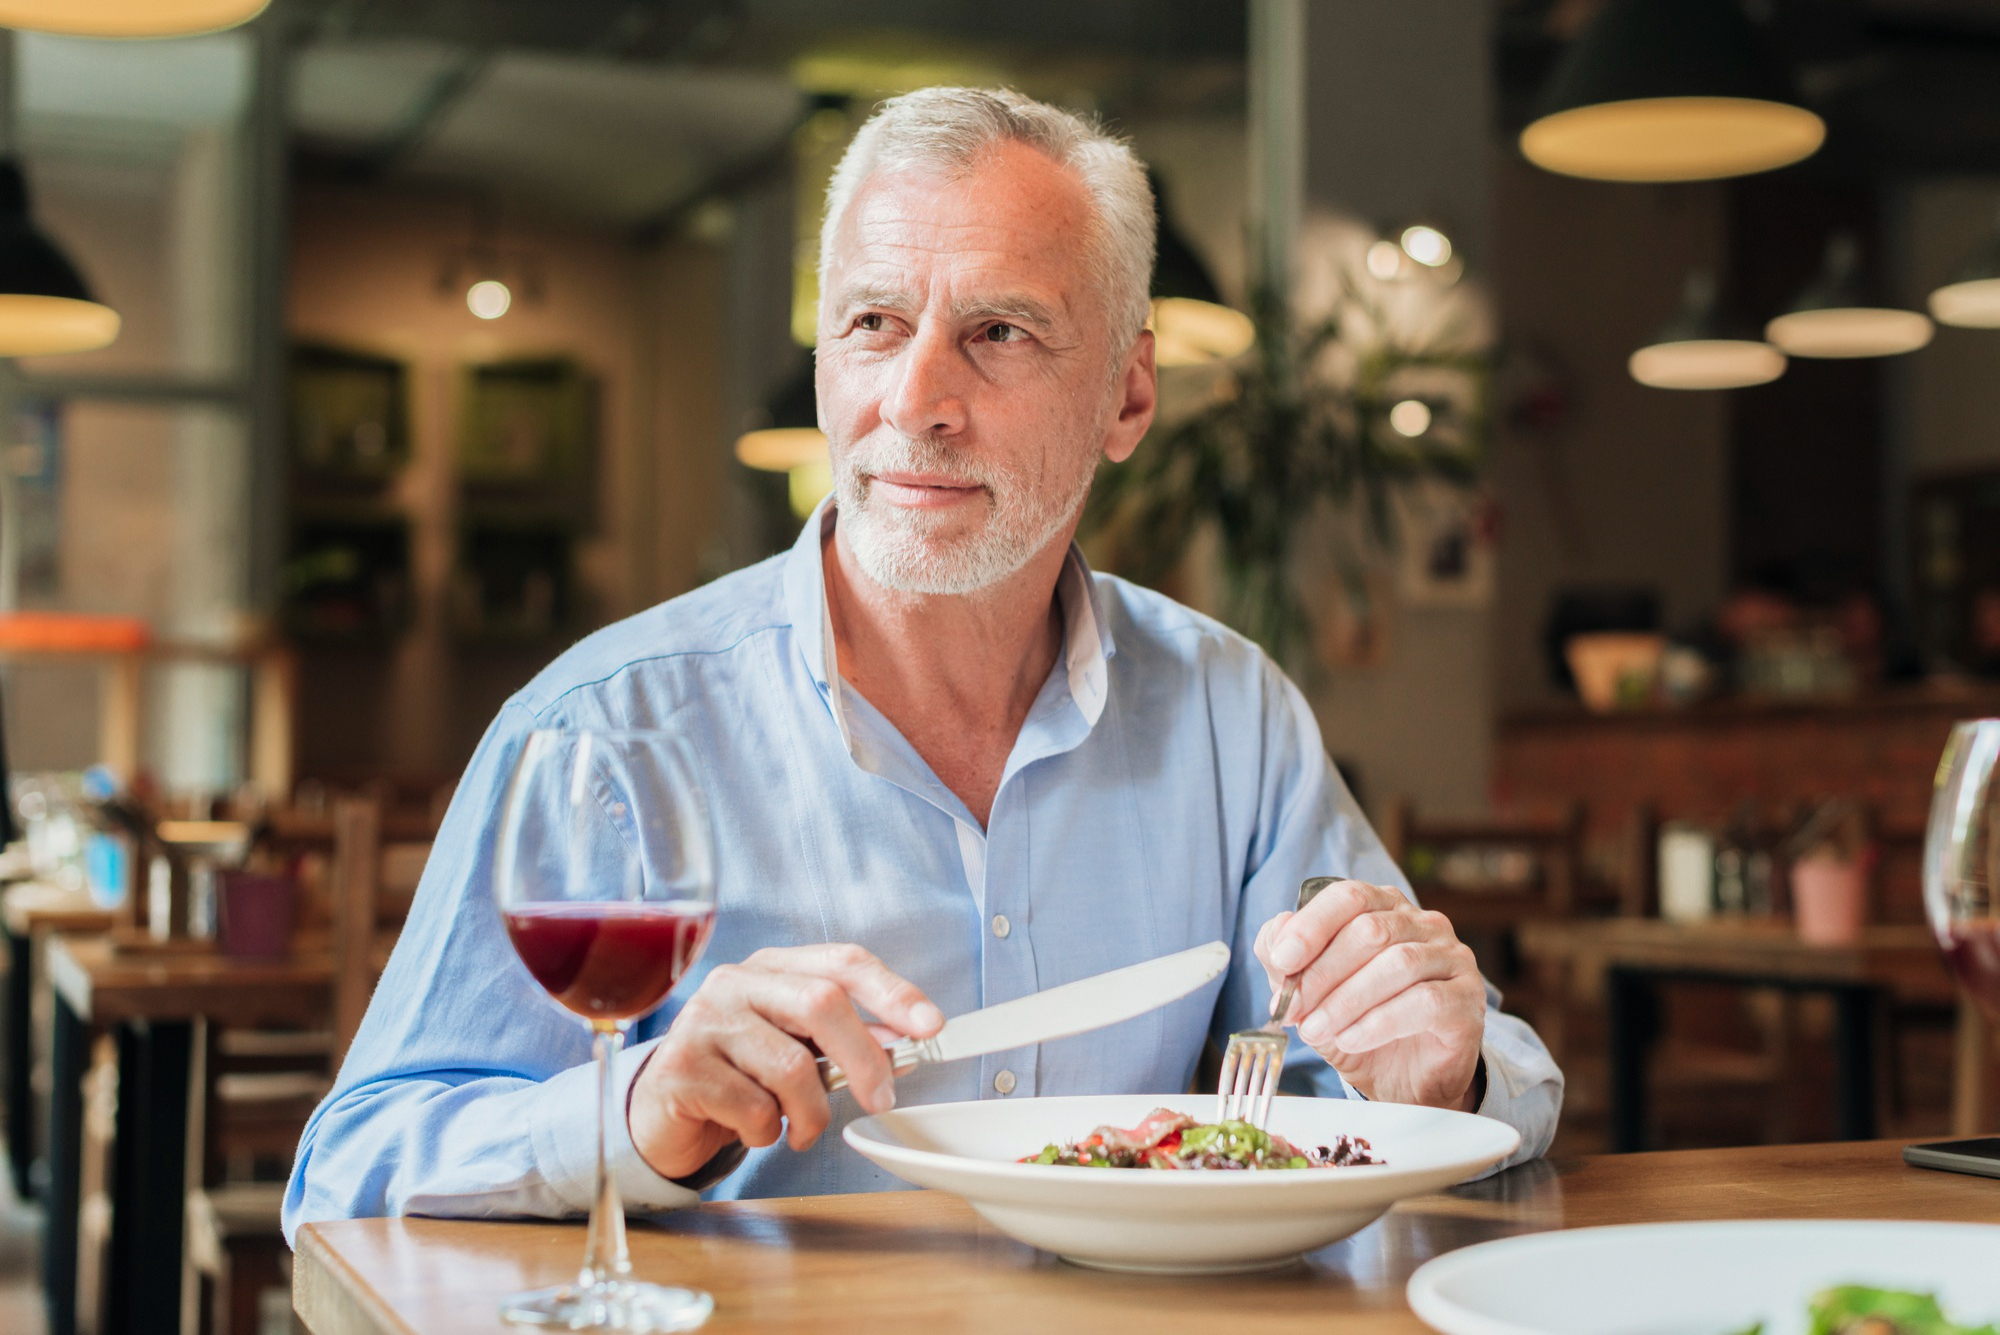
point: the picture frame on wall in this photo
(347, 416)
(528, 438)
(1955, 530)
(1445, 549)
(513, 581)
(346, 576)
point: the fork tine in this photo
(1246, 1108)
(1230, 1056)
(1274, 1070)
(1239, 1093)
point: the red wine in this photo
(609, 961)
(1974, 952)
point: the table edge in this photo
(327, 1293)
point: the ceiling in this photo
(594, 141)
(622, 113)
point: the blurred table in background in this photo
(30, 912)
(1708, 761)
(917, 1259)
(1624, 959)
(148, 1003)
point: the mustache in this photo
(915, 454)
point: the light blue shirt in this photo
(1168, 788)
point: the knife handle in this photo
(905, 1055)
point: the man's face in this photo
(967, 371)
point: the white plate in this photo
(1193, 1222)
(1701, 1279)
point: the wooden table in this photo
(911, 1260)
(150, 1002)
(30, 912)
(1636, 954)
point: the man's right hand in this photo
(734, 1064)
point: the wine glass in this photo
(1962, 860)
(604, 872)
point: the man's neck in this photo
(955, 674)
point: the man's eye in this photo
(871, 322)
(1005, 333)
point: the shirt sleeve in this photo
(467, 1091)
(1308, 824)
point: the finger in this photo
(1391, 971)
(1262, 947)
(807, 1006)
(1365, 936)
(785, 1069)
(1312, 927)
(889, 997)
(720, 1093)
(688, 1099)
(1436, 1008)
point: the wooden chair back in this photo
(376, 867)
(1551, 842)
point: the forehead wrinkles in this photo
(1023, 223)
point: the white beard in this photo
(908, 550)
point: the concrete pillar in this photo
(1398, 127)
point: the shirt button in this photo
(1004, 1082)
(1001, 926)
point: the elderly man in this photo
(951, 766)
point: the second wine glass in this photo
(1962, 860)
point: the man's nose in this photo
(928, 394)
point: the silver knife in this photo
(1073, 1008)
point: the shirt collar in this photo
(1087, 644)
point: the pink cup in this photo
(257, 910)
(1830, 899)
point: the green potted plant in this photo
(1314, 424)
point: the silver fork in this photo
(1255, 1058)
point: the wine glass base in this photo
(619, 1304)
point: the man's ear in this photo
(1139, 396)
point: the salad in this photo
(1856, 1309)
(1172, 1140)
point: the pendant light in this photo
(1971, 297)
(1191, 325)
(1669, 90)
(1834, 317)
(128, 18)
(791, 442)
(1699, 349)
(44, 305)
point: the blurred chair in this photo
(259, 1087)
(1491, 873)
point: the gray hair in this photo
(949, 129)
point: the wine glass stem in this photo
(605, 1259)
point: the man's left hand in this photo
(1390, 996)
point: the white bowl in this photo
(1710, 1278)
(1183, 1223)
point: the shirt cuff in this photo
(565, 1140)
(1524, 1090)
